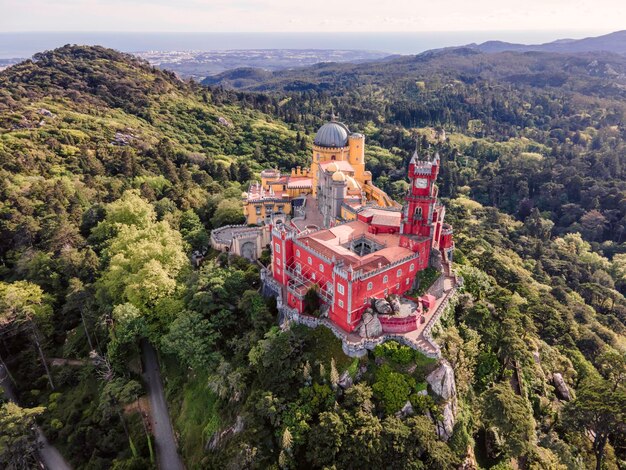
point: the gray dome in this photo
(332, 134)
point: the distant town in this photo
(200, 64)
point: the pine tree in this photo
(334, 375)
(287, 440)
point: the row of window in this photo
(370, 285)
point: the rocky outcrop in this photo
(561, 387)
(394, 301)
(406, 411)
(345, 381)
(435, 260)
(219, 437)
(442, 383)
(383, 307)
(370, 325)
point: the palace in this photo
(331, 230)
(336, 180)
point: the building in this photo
(374, 256)
(337, 179)
(332, 231)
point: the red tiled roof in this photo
(329, 243)
(299, 182)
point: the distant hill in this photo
(586, 72)
(613, 42)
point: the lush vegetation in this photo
(113, 173)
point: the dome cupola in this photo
(339, 176)
(332, 134)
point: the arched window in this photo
(418, 212)
(370, 286)
(333, 158)
(309, 260)
(298, 253)
(385, 279)
(412, 268)
(399, 273)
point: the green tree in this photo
(23, 306)
(600, 404)
(192, 339)
(144, 264)
(18, 437)
(511, 415)
(228, 212)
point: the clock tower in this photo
(418, 213)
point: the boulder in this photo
(435, 260)
(561, 387)
(445, 427)
(45, 112)
(345, 381)
(370, 326)
(359, 373)
(395, 304)
(218, 437)
(224, 122)
(537, 357)
(442, 382)
(407, 410)
(382, 306)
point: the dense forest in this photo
(113, 173)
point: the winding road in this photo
(50, 457)
(165, 443)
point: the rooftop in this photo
(330, 243)
(342, 165)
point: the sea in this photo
(25, 44)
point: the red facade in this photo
(373, 257)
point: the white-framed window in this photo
(412, 267)
(278, 261)
(277, 248)
(321, 268)
(340, 303)
(313, 276)
(298, 253)
(298, 268)
(397, 286)
(278, 271)
(385, 279)
(340, 288)
(370, 286)
(407, 282)
(399, 273)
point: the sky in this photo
(598, 16)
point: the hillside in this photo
(113, 173)
(613, 42)
(80, 127)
